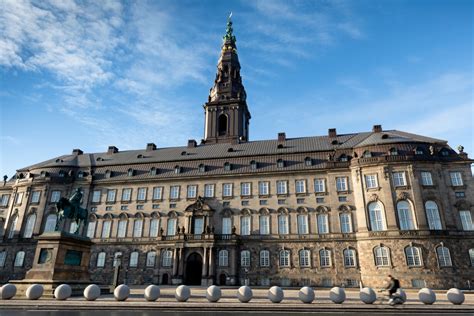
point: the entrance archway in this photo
(193, 272)
(222, 279)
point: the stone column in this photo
(204, 263)
(233, 265)
(181, 262)
(175, 262)
(211, 262)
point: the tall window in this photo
(3, 258)
(456, 178)
(106, 225)
(174, 192)
(35, 196)
(101, 259)
(349, 258)
(426, 178)
(50, 224)
(126, 194)
(117, 258)
(283, 227)
(198, 225)
(19, 259)
(30, 225)
(73, 227)
(209, 190)
(319, 186)
(341, 184)
(111, 195)
(323, 224)
(444, 257)
(150, 259)
(138, 227)
(11, 232)
(471, 256)
(264, 224)
(284, 258)
(227, 190)
(300, 186)
(282, 187)
(96, 196)
(134, 259)
(245, 225)
(466, 220)
(245, 258)
(91, 229)
(346, 223)
(192, 191)
(223, 258)
(167, 260)
(122, 228)
(305, 258)
(325, 258)
(171, 229)
(371, 181)
(303, 224)
(381, 255)
(263, 188)
(226, 225)
(399, 179)
(5, 199)
(154, 227)
(141, 194)
(55, 196)
(413, 256)
(245, 188)
(157, 193)
(377, 216)
(432, 215)
(405, 216)
(265, 258)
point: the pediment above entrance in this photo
(200, 206)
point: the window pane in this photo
(226, 225)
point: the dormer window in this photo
(227, 166)
(444, 152)
(183, 153)
(308, 162)
(419, 151)
(280, 163)
(202, 168)
(62, 173)
(343, 158)
(177, 169)
(44, 174)
(108, 174)
(153, 171)
(393, 152)
(59, 160)
(367, 154)
(80, 174)
(253, 165)
(140, 156)
(131, 172)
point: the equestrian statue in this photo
(71, 208)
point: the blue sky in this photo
(89, 74)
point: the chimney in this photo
(150, 147)
(192, 143)
(281, 137)
(332, 132)
(112, 150)
(77, 152)
(377, 129)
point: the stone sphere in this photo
(427, 296)
(275, 294)
(62, 292)
(92, 292)
(455, 296)
(152, 293)
(182, 293)
(337, 295)
(367, 295)
(401, 293)
(306, 295)
(121, 292)
(244, 294)
(213, 293)
(7, 291)
(34, 292)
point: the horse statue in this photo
(71, 208)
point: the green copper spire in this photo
(229, 36)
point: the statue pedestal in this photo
(60, 258)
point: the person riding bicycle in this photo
(393, 286)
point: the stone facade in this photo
(320, 211)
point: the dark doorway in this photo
(222, 124)
(164, 279)
(193, 269)
(222, 279)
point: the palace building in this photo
(331, 210)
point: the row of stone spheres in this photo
(213, 294)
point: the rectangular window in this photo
(263, 202)
(111, 195)
(227, 190)
(19, 198)
(150, 259)
(126, 195)
(281, 202)
(141, 194)
(244, 203)
(341, 184)
(264, 258)
(5, 199)
(456, 179)
(346, 223)
(124, 207)
(171, 229)
(209, 190)
(323, 225)
(300, 201)
(283, 224)
(167, 258)
(122, 228)
(96, 196)
(245, 258)
(264, 225)
(106, 225)
(246, 189)
(263, 188)
(319, 186)
(134, 259)
(55, 196)
(399, 179)
(466, 220)
(300, 186)
(371, 181)
(460, 194)
(245, 225)
(154, 227)
(35, 196)
(426, 178)
(137, 228)
(174, 192)
(91, 229)
(198, 225)
(303, 224)
(157, 193)
(319, 200)
(282, 187)
(192, 191)
(226, 225)
(342, 198)
(3, 257)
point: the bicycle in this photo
(395, 299)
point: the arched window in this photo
(245, 225)
(222, 124)
(405, 216)
(284, 258)
(303, 224)
(432, 215)
(117, 258)
(122, 227)
(150, 259)
(101, 260)
(264, 224)
(283, 226)
(227, 166)
(19, 259)
(30, 225)
(308, 162)
(3, 258)
(349, 257)
(154, 227)
(202, 168)
(265, 258)
(377, 216)
(91, 229)
(223, 258)
(280, 163)
(138, 227)
(134, 259)
(11, 231)
(305, 256)
(325, 258)
(245, 258)
(367, 154)
(346, 223)
(381, 256)
(471, 256)
(106, 227)
(167, 260)
(444, 256)
(413, 256)
(50, 224)
(253, 165)
(323, 224)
